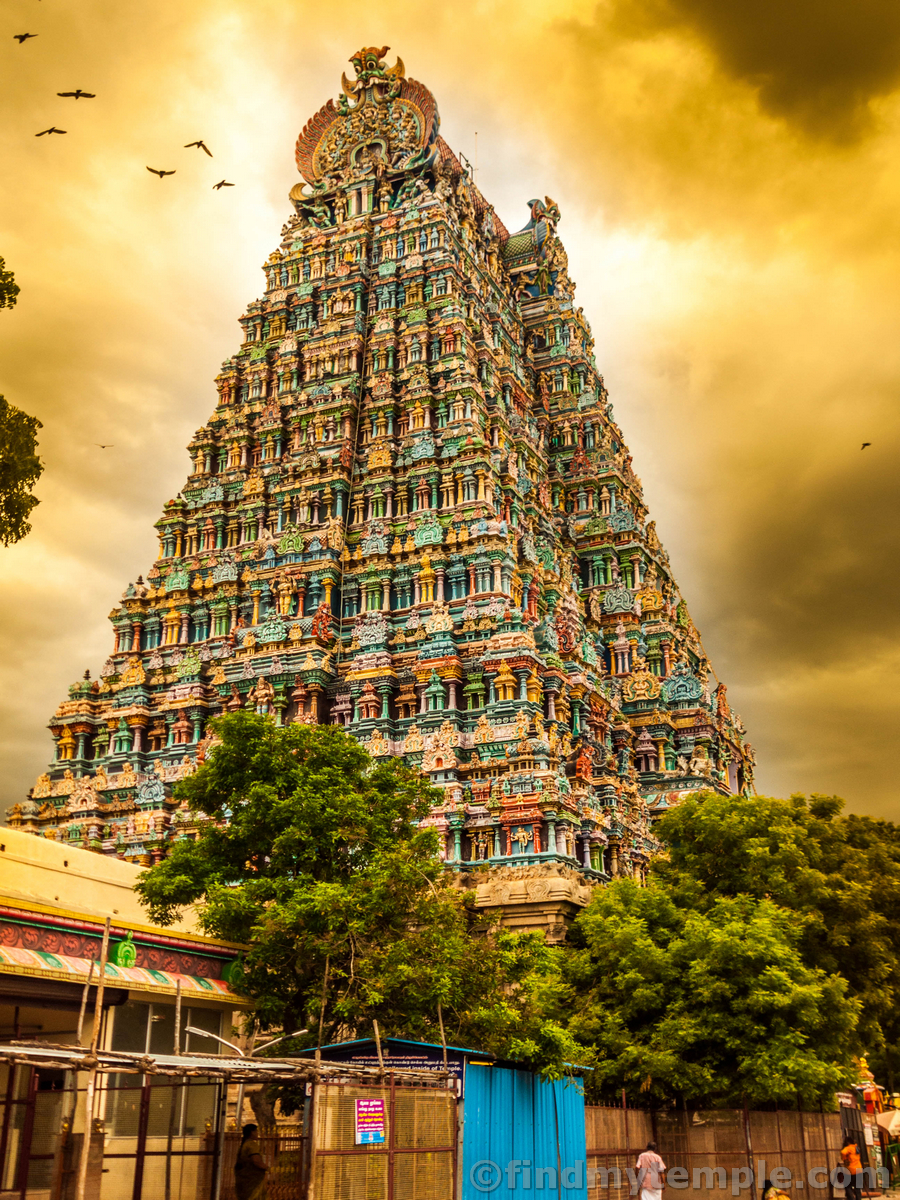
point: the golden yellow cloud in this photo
(730, 193)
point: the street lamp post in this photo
(239, 1107)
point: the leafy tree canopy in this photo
(315, 859)
(9, 289)
(20, 469)
(838, 875)
(713, 1005)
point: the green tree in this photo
(315, 859)
(20, 469)
(9, 289)
(839, 877)
(711, 1005)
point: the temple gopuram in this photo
(412, 513)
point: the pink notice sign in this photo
(370, 1122)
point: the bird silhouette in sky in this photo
(153, 171)
(863, 446)
(108, 446)
(78, 94)
(201, 145)
(52, 129)
(222, 183)
(21, 37)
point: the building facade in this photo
(411, 513)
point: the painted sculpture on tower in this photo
(413, 514)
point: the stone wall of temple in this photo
(411, 513)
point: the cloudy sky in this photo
(729, 183)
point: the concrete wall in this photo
(39, 871)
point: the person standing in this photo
(852, 1165)
(249, 1168)
(651, 1173)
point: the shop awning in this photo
(42, 965)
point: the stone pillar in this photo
(660, 754)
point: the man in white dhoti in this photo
(651, 1173)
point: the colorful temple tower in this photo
(412, 513)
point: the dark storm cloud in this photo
(816, 63)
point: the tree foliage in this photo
(9, 289)
(764, 953)
(709, 1003)
(317, 861)
(20, 469)
(839, 876)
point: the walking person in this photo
(249, 1168)
(651, 1173)
(852, 1165)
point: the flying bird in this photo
(201, 145)
(52, 129)
(222, 183)
(21, 37)
(863, 446)
(153, 171)
(108, 446)
(78, 94)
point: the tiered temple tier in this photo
(413, 514)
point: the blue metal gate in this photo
(523, 1138)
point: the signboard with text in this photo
(370, 1121)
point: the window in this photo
(150, 1029)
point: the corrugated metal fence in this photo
(523, 1137)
